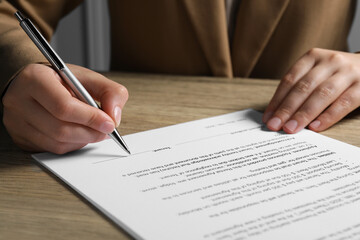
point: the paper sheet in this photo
(224, 177)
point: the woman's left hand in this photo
(319, 90)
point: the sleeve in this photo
(16, 48)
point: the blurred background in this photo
(89, 28)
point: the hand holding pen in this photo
(41, 114)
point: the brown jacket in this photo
(190, 36)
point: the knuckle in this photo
(314, 52)
(326, 92)
(304, 115)
(337, 58)
(345, 102)
(41, 72)
(285, 110)
(288, 79)
(303, 86)
(28, 73)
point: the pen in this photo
(63, 70)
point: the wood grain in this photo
(36, 205)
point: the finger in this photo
(320, 99)
(35, 141)
(346, 103)
(298, 95)
(65, 85)
(112, 95)
(50, 93)
(296, 72)
(56, 129)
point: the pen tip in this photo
(128, 151)
(118, 139)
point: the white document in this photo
(224, 177)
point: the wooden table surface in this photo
(36, 205)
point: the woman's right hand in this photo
(42, 114)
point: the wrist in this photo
(4, 87)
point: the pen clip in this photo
(39, 41)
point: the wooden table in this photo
(36, 205)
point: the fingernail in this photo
(267, 116)
(291, 125)
(117, 114)
(274, 123)
(107, 127)
(315, 124)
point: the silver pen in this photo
(63, 70)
